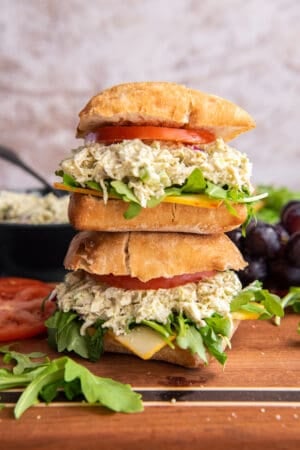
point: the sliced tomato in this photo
(132, 283)
(22, 314)
(119, 133)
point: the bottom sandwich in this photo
(162, 296)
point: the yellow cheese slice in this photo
(247, 315)
(143, 341)
(198, 200)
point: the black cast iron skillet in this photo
(33, 251)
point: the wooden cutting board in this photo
(253, 402)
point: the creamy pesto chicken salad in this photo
(32, 208)
(144, 173)
(197, 314)
(118, 308)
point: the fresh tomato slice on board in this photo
(127, 282)
(119, 133)
(22, 314)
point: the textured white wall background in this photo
(55, 54)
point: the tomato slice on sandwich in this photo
(132, 283)
(22, 314)
(120, 133)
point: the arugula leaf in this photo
(23, 360)
(215, 191)
(9, 380)
(94, 339)
(173, 191)
(64, 334)
(126, 194)
(217, 330)
(221, 325)
(195, 183)
(154, 202)
(214, 343)
(53, 372)
(69, 181)
(230, 208)
(64, 373)
(192, 340)
(93, 185)
(112, 394)
(271, 304)
(291, 299)
(125, 191)
(132, 211)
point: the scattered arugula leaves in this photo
(23, 360)
(45, 379)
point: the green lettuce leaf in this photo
(194, 184)
(75, 379)
(192, 340)
(132, 211)
(124, 191)
(24, 361)
(105, 391)
(271, 303)
(64, 335)
(214, 343)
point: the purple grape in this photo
(256, 270)
(284, 274)
(292, 250)
(290, 216)
(263, 241)
(282, 233)
(237, 238)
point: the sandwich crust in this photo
(148, 255)
(174, 356)
(166, 105)
(87, 212)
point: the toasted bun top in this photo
(147, 255)
(163, 104)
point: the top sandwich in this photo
(163, 146)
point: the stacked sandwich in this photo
(154, 187)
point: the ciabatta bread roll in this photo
(165, 105)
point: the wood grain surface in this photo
(253, 402)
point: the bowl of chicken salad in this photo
(34, 234)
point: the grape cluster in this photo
(272, 251)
